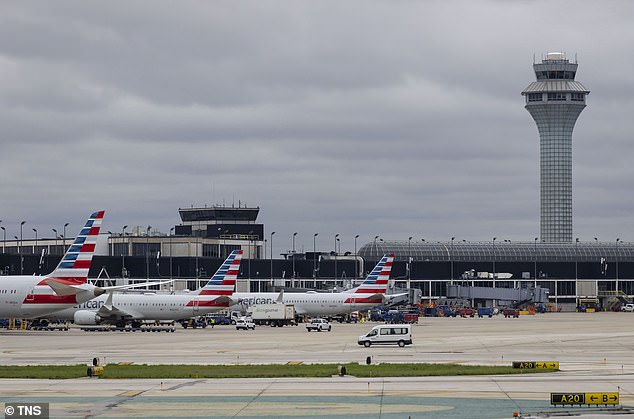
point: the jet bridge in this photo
(516, 295)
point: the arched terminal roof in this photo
(500, 251)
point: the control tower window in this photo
(579, 97)
(534, 97)
(556, 96)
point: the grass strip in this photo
(257, 371)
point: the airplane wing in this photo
(64, 288)
(108, 310)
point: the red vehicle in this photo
(465, 311)
(511, 312)
(410, 318)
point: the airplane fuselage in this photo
(308, 303)
(146, 306)
(21, 297)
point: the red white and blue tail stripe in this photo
(69, 278)
(374, 286)
(217, 292)
(376, 282)
(224, 280)
(75, 264)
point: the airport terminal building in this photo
(196, 247)
(570, 271)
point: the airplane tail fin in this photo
(376, 282)
(223, 282)
(74, 266)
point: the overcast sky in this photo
(390, 118)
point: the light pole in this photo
(535, 259)
(251, 246)
(35, 247)
(219, 234)
(64, 237)
(494, 238)
(293, 278)
(147, 252)
(409, 261)
(452, 239)
(272, 233)
(21, 225)
(576, 262)
(356, 274)
(110, 239)
(376, 249)
(124, 250)
(617, 265)
(55, 231)
(171, 231)
(315, 259)
(336, 238)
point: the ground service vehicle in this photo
(318, 325)
(511, 312)
(485, 311)
(466, 312)
(627, 307)
(245, 323)
(194, 323)
(276, 314)
(400, 334)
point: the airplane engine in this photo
(86, 318)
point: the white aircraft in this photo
(371, 292)
(119, 308)
(26, 297)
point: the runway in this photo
(595, 351)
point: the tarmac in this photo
(595, 352)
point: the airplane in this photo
(371, 292)
(26, 297)
(120, 308)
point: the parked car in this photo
(627, 307)
(318, 325)
(245, 323)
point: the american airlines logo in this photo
(249, 301)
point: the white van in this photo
(400, 334)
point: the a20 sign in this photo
(584, 398)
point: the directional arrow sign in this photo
(547, 365)
(602, 398)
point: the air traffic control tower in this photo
(555, 101)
